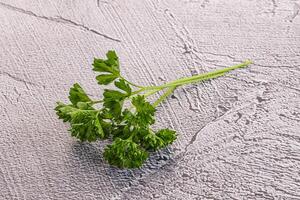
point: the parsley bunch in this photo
(127, 124)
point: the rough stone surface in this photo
(239, 135)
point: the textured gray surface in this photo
(239, 135)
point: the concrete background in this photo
(239, 135)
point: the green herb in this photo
(127, 124)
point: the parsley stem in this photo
(138, 91)
(130, 83)
(131, 136)
(151, 92)
(182, 81)
(164, 96)
(95, 102)
(199, 77)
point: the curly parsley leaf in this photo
(121, 84)
(77, 94)
(110, 67)
(105, 79)
(168, 136)
(113, 95)
(86, 125)
(63, 111)
(144, 111)
(153, 142)
(125, 154)
(113, 102)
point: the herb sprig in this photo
(128, 124)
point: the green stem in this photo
(199, 77)
(131, 136)
(164, 96)
(151, 92)
(138, 91)
(95, 102)
(130, 83)
(151, 131)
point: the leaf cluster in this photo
(128, 125)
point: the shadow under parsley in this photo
(91, 156)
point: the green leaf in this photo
(144, 111)
(142, 106)
(86, 126)
(77, 94)
(107, 128)
(112, 59)
(63, 111)
(84, 106)
(121, 84)
(168, 136)
(105, 79)
(98, 127)
(101, 66)
(125, 154)
(110, 65)
(114, 108)
(113, 102)
(113, 95)
(153, 142)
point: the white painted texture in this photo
(239, 135)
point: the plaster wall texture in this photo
(239, 135)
